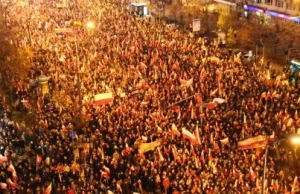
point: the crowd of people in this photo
(180, 107)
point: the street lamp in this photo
(295, 139)
(90, 25)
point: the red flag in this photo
(212, 105)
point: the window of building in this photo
(279, 3)
(269, 2)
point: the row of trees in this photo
(276, 35)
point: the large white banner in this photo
(196, 25)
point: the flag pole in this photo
(182, 100)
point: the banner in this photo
(253, 142)
(196, 25)
(104, 98)
(63, 30)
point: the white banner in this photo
(196, 25)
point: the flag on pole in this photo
(10, 183)
(253, 142)
(48, 189)
(161, 158)
(188, 135)
(225, 141)
(219, 100)
(3, 159)
(38, 159)
(186, 83)
(174, 130)
(3, 186)
(104, 98)
(198, 135)
(145, 147)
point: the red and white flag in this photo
(188, 135)
(213, 93)
(38, 159)
(245, 121)
(252, 174)
(161, 158)
(3, 186)
(253, 142)
(290, 122)
(48, 189)
(219, 100)
(11, 184)
(174, 130)
(186, 83)
(159, 129)
(3, 159)
(104, 98)
(225, 141)
(198, 135)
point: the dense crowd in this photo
(164, 82)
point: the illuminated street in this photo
(103, 97)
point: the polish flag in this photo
(10, 183)
(290, 122)
(3, 186)
(296, 115)
(104, 98)
(119, 188)
(161, 158)
(272, 137)
(186, 83)
(295, 183)
(38, 159)
(213, 93)
(159, 129)
(3, 159)
(104, 175)
(298, 122)
(188, 135)
(11, 168)
(219, 100)
(199, 99)
(175, 153)
(174, 130)
(106, 169)
(252, 174)
(192, 151)
(198, 135)
(245, 121)
(225, 141)
(48, 189)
